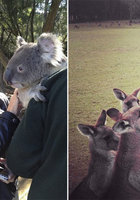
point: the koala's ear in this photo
(51, 49)
(20, 41)
(46, 42)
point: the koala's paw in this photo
(37, 95)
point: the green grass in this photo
(100, 59)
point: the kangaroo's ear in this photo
(135, 93)
(102, 118)
(86, 129)
(114, 114)
(119, 94)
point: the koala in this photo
(31, 63)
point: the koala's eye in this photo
(20, 68)
(138, 101)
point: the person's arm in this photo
(40, 129)
(8, 123)
(24, 152)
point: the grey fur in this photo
(33, 61)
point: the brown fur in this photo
(128, 101)
(103, 144)
(125, 184)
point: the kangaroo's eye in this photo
(122, 124)
(128, 103)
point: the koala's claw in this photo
(37, 95)
(42, 88)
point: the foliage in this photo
(26, 18)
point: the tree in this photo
(50, 19)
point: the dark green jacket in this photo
(38, 149)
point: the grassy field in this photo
(100, 59)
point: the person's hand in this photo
(6, 174)
(14, 104)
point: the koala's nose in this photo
(7, 76)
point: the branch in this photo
(45, 10)
(2, 34)
(32, 22)
(64, 39)
(9, 35)
(3, 59)
(27, 26)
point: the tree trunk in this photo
(3, 87)
(45, 10)
(32, 22)
(3, 59)
(49, 23)
(3, 64)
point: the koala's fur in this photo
(32, 62)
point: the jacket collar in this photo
(48, 81)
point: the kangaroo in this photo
(128, 101)
(125, 184)
(103, 144)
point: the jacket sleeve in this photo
(8, 124)
(24, 152)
